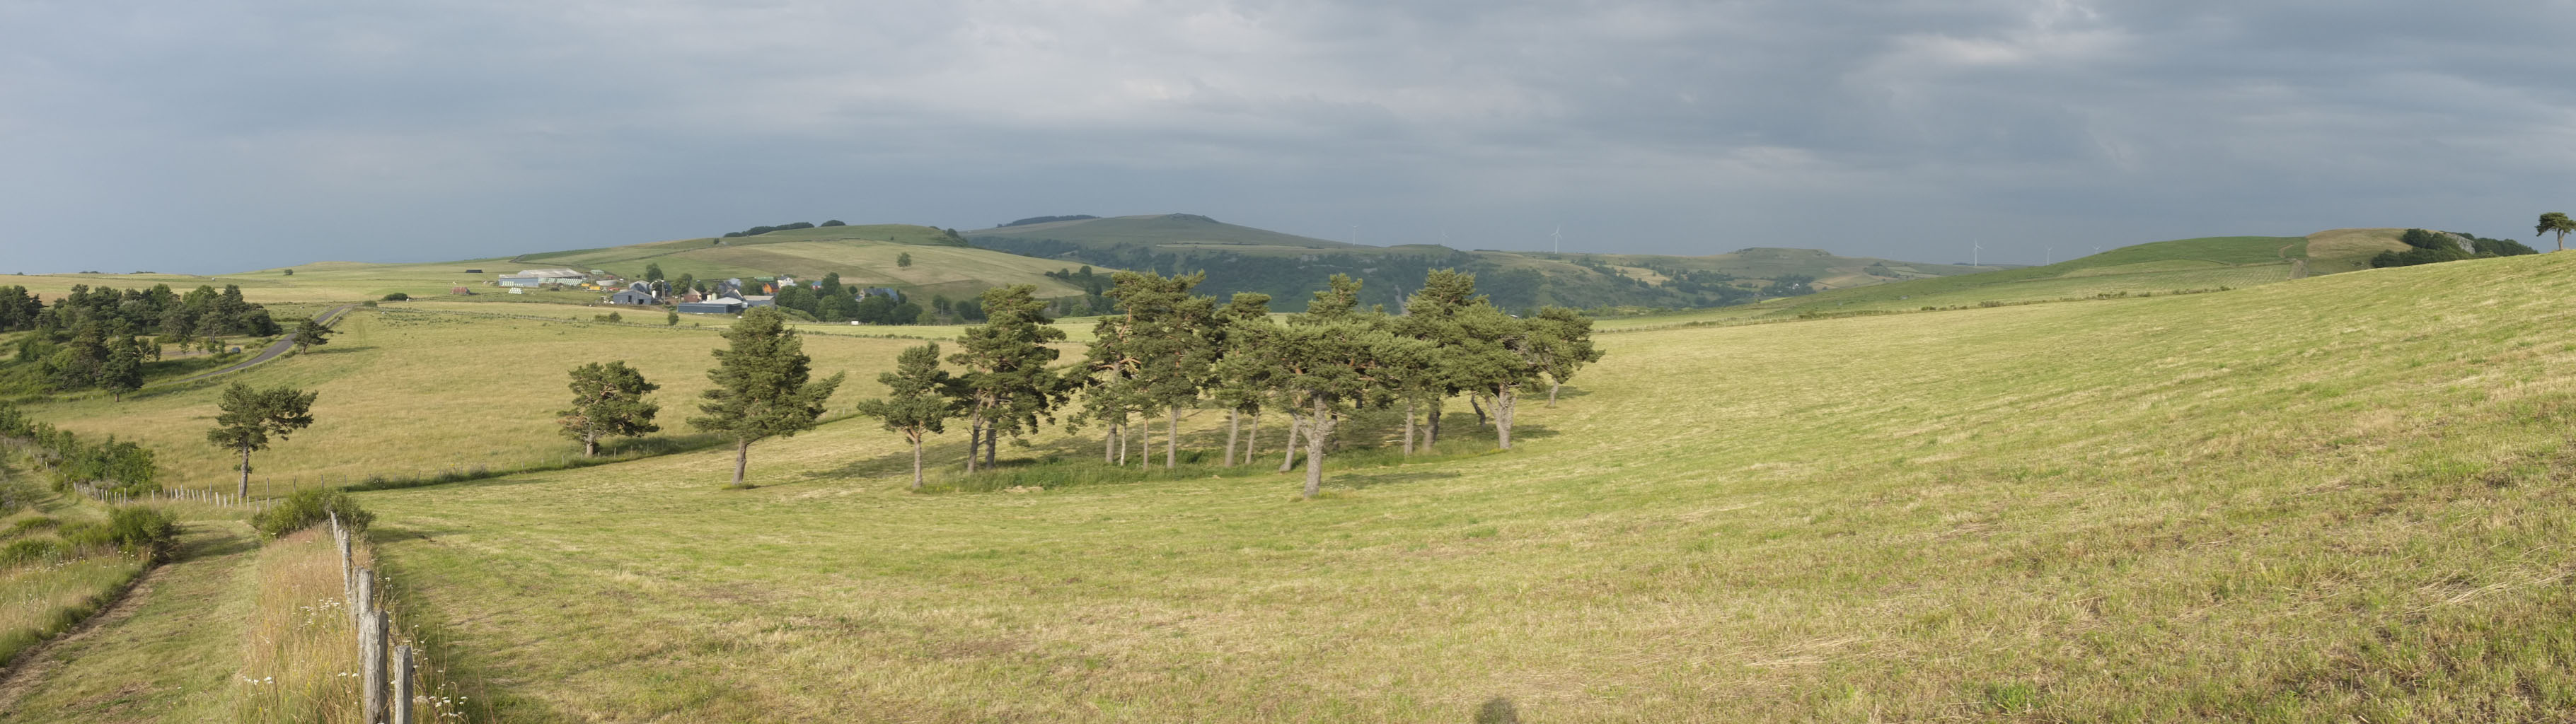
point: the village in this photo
(708, 296)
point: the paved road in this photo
(283, 344)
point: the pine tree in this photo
(607, 400)
(1324, 370)
(762, 386)
(1562, 339)
(122, 371)
(914, 405)
(251, 416)
(1007, 387)
(310, 332)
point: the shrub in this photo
(149, 531)
(30, 550)
(397, 297)
(311, 506)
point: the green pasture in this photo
(2342, 498)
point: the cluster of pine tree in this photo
(2434, 247)
(1168, 351)
(98, 338)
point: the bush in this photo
(308, 507)
(30, 550)
(397, 297)
(152, 532)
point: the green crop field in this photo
(2343, 498)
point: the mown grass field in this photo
(2343, 498)
(410, 393)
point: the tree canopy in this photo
(762, 386)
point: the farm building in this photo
(718, 305)
(887, 292)
(542, 277)
(639, 293)
(758, 300)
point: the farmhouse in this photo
(542, 277)
(635, 295)
(759, 300)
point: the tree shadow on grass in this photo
(1363, 480)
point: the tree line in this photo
(1168, 351)
(2433, 247)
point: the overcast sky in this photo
(225, 135)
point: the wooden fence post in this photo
(366, 600)
(371, 666)
(402, 685)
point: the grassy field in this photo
(46, 593)
(2337, 499)
(409, 393)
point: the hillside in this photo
(2049, 512)
(2164, 267)
(864, 255)
(1286, 266)
(2340, 498)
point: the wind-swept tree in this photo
(2555, 221)
(762, 386)
(1496, 360)
(1161, 354)
(1240, 392)
(310, 332)
(1007, 387)
(1561, 339)
(250, 417)
(913, 405)
(1326, 370)
(608, 400)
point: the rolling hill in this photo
(2156, 268)
(1288, 267)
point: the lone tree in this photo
(608, 400)
(2555, 221)
(762, 386)
(653, 272)
(251, 416)
(903, 260)
(914, 406)
(311, 332)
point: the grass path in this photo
(166, 652)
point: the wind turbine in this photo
(1975, 250)
(1559, 236)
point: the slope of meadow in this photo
(2341, 498)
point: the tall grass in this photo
(300, 651)
(41, 599)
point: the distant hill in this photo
(2162, 267)
(864, 255)
(1290, 267)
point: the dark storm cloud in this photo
(222, 136)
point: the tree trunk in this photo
(992, 443)
(974, 442)
(1431, 431)
(1108, 444)
(1252, 437)
(1408, 427)
(1172, 440)
(1122, 446)
(1288, 461)
(741, 459)
(1553, 384)
(1474, 402)
(1321, 426)
(1503, 404)
(916, 463)
(590, 445)
(1233, 429)
(245, 479)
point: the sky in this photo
(215, 136)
